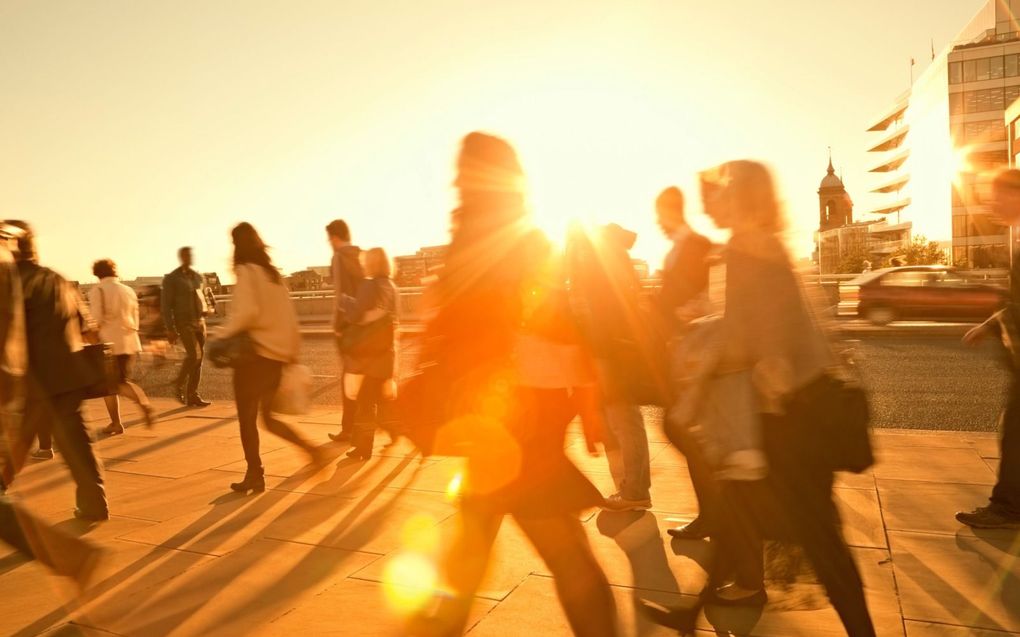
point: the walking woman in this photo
(771, 332)
(513, 431)
(115, 310)
(261, 309)
(369, 353)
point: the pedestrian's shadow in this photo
(1000, 549)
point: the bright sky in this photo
(132, 127)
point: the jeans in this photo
(706, 488)
(192, 338)
(61, 415)
(350, 407)
(627, 437)
(255, 385)
(1006, 493)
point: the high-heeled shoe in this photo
(360, 454)
(255, 484)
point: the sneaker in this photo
(42, 454)
(987, 518)
(617, 502)
(113, 429)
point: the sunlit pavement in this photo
(351, 549)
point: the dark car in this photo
(922, 292)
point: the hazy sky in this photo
(129, 128)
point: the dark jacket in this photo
(347, 277)
(684, 277)
(373, 294)
(54, 316)
(183, 299)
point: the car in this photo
(922, 292)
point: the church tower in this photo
(835, 208)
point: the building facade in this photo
(940, 142)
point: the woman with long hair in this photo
(260, 308)
(495, 295)
(770, 330)
(369, 353)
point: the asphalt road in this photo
(919, 376)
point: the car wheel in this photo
(880, 315)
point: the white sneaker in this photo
(617, 502)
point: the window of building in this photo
(1011, 94)
(996, 70)
(970, 71)
(1011, 65)
(955, 103)
(986, 131)
(955, 73)
(982, 69)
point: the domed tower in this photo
(835, 208)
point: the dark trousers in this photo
(61, 414)
(255, 385)
(1006, 493)
(706, 488)
(795, 504)
(350, 406)
(63, 552)
(370, 411)
(193, 339)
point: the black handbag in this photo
(231, 351)
(370, 339)
(835, 413)
(101, 368)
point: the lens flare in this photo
(453, 489)
(409, 582)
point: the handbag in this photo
(836, 418)
(101, 368)
(293, 397)
(369, 339)
(422, 404)
(231, 351)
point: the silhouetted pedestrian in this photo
(347, 275)
(184, 310)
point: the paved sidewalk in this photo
(348, 549)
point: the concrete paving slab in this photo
(927, 629)
(928, 507)
(356, 608)
(962, 580)
(933, 464)
(861, 517)
(231, 595)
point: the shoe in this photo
(343, 436)
(617, 502)
(987, 518)
(198, 401)
(696, 529)
(359, 453)
(733, 595)
(42, 454)
(255, 484)
(180, 396)
(91, 517)
(149, 414)
(113, 429)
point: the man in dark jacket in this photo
(347, 276)
(681, 298)
(57, 376)
(63, 552)
(184, 310)
(1003, 509)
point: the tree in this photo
(853, 258)
(921, 251)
